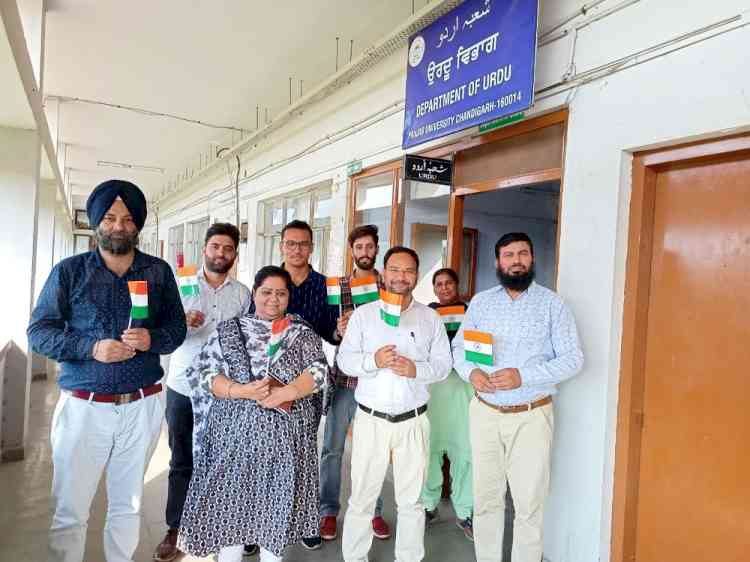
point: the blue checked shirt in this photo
(83, 302)
(536, 334)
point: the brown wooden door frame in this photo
(646, 166)
(393, 167)
(459, 192)
(456, 206)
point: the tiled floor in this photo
(25, 506)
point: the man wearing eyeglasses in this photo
(394, 365)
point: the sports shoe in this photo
(380, 528)
(311, 543)
(250, 550)
(167, 550)
(430, 516)
(467, 526)
(328, 528)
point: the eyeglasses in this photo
(396, 270)
(292, 244)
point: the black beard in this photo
(117, 246)
(364, 267)
(221, 269)
(516, 282)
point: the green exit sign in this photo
(502, 122)
(353, 167)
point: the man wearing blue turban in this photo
(106, 316)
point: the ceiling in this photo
(208, 61)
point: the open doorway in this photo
(532, 209)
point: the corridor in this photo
(25, 517)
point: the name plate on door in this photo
(428, 170)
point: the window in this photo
(195, 236)
(373, 204)
(312, 205)
(176, 253)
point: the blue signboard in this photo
(472, 65)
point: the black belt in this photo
(395, 418)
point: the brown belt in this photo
(116, 399)
(519, 408)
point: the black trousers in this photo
(179, 415)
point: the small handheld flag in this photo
(390, 308)
(138, 300)
(333, 289)
(452, 316)
(478, 347)
(364, 290)
(278, 329)
(187, 279)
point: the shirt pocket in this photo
(535, 336)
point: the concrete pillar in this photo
(20, 154)
(44, 256)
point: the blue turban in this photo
(104, 195)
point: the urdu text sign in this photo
(472, 65)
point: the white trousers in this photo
(88, 439)
(234, 554)
(375, 443)
(513, 448)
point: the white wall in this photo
(19, 181)
(700, 89)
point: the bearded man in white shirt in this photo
(394, 366)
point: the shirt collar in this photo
(139, 261)
(202, 276)
(530, 290)
(375, 273)
(310, 275)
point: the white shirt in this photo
(229, 300)
(420, 337)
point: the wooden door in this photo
(694, 476)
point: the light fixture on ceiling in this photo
(134, 167)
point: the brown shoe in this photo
(167, 550)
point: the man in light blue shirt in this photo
(535, 346)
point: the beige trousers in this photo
(513, 447)
(375, 443)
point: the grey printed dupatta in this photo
(238, 349)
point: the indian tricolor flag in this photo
(452, 317)
(278, 329)
(364, 290)
(333, 287)
(478, 347)
(390, 308)
(138, 299)
(187, 279)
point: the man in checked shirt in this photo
(363, 242)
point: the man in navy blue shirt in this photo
(309, 297)
(109, 415)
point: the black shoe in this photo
(430, 516)
(467, 526)
(251, 550)
(312, 543)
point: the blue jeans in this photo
(340, 415)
